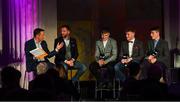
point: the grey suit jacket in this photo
(162, 49)
(110, 51)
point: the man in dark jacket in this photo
(38, 42)
(157, 52)
(131, 50)
(67, 56)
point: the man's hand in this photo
(101, 62)
(153, 60)
(123, 61)
(70, 63)
(150, 57)
(59, 46)
(129, 59)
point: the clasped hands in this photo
(152, 59)
(101, 62)
(126, 61)
(70, 62)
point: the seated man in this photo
(105, 55)
(38, 42)
(157, 52)
(68, 55)
(131, 50)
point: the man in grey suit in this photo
(105, 55)
(131, 50)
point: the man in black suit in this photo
(157, 51)
(38, 42)
(131, 50)
(67, 56)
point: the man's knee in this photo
(116, 67)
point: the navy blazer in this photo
(60, 57)
(31, 62)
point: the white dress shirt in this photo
(130, 47)
(66, 42)
(104, 43)
(38, 45)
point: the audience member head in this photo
(43, 81)
(10, 77)
(52, 73)
(154, 72)
(134, 69)
(41, 68)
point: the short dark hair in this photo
(156, 28)
(105, 31)
(130, 29)
(37, 31)
(134, 68)
(65, 26)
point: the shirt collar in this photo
(67, 38)
(36, 41)
(132, 40)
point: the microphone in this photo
(102, 56)
(153, 53)
(125, 57)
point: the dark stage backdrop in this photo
(88, 17)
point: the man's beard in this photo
(65, 36)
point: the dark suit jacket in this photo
(162, 49)
(62, 52)
(31, 62)
(138, 52)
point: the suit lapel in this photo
(33, 44)
(102, 46)
(127, 48)
(107, 45)
(152, 45)
(133, 49)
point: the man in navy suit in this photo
(67, 56)
(38, 42)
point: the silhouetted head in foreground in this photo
(155, 72)
(10, 77)
(134, 70)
